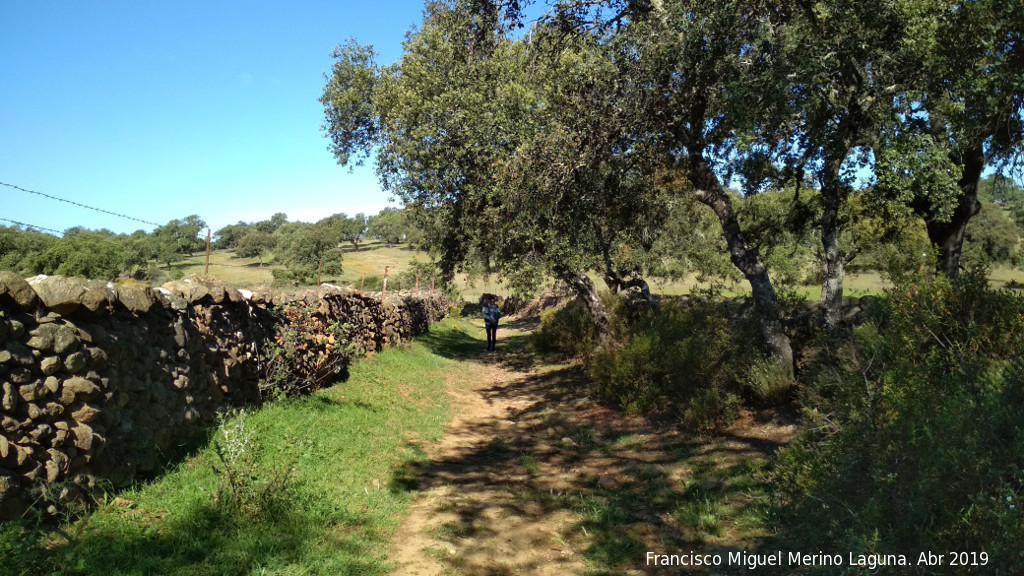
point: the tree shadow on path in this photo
(537, 465)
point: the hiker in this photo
(491, 313)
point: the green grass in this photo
(372, 257)
(334, 517)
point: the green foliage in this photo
(568, 330)
(178, 238)
(308, 352)
(83, 253)
(388, 225)
(309, 251)
(680, 357)
(915, 440)
(255, 243)
(246, 487)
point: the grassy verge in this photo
(339, 450)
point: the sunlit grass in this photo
(336, 516)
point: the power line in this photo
(72, 202)
(32, 226)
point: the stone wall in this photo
(102, 381)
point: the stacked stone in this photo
(98, 379)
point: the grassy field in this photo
(334, 514)
(372, 258)
(369, 261)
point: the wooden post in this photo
(433, 277)
(384, 287)
(417, 284)
(207, 271)
(362, 282)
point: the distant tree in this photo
(313, 251)
(228, 236)
(84, 253)
(353, 229)
(278, 219)
(177, 239)
(19, 247)
(388, 225)
(256, 243)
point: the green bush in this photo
(568, 330)
(681, 356)
(916, 438)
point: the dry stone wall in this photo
(101, 381)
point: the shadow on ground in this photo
(559, 471)
(202, 539)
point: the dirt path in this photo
(532, 477)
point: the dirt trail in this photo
(534, 478)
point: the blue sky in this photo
(159, 110)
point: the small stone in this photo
(9, 424)
(59, 438)
(42, 433)
(85, 413)
(23, 454)
(74, 386)
(75, 362)
(17, 329)
(51, 365)
(53, 409)
(137, 298)
(64, 339)
(5, 447)
(15, 290)
(52, 384)
(20, 376)
(60, 294)
(120, 502)
(33, 471)
(30, 392)
(98, 358)
(83, 437)
(19, 353)
(56, 466)
(9, 398)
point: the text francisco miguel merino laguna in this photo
(777, 558)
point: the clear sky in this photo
(159, 110)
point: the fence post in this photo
(384, 286)
(433, 276)
(417, 284)
(362, 282)
(207, 271)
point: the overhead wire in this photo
(30, 226)
(79, 204)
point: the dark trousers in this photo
(492, 335)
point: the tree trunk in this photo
(948, 237)
(833, 260)
(747, 260)
(584, 288)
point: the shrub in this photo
(916, 438)
(248, 486)
(308, 352)
(681, 356)
(568, 330)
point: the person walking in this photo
(491, 314)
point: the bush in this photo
(682, 356)
(567, 330)
(916, 438)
